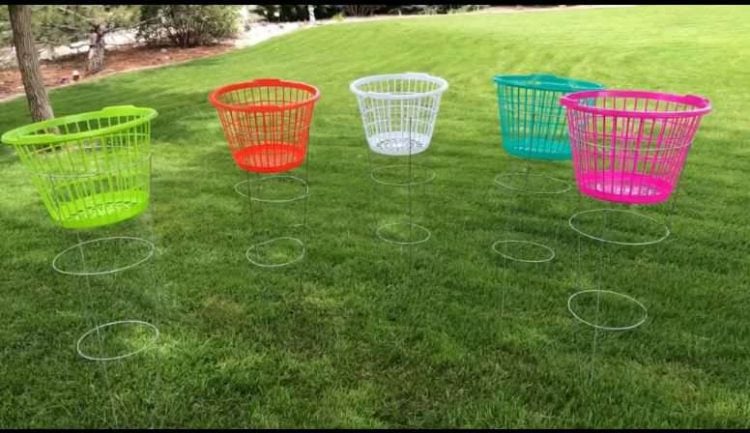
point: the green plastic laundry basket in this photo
(532, 121)
(91, 169)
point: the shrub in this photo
(187, 26)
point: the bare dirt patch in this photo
(60, 72)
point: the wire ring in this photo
(108, 271)
(432, 175)
(608, 328)
(126, 355)
(413, 225)
(276, 265)
(516, 259)
(263, 179)
(590, 236)
(512, 188)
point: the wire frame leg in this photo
(405, 233)
(543, 255)
(604, 260)
(250, 200)
(422, 233)
(297, 243)
(104, 371)
(95, 330)
(307, 198)
(113, 271)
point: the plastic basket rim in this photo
(558, 82)
(19, 136)
(354, 86)
(701, 105)
(213, 97)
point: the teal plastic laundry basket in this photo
(532, 122)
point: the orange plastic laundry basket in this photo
(266, 122)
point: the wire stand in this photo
(398, 113)
(255, 251)
(405, 233)
(515, 251)
(114, 269)
(379, 176)
(62, 266)
(402, 178)
(612, 302)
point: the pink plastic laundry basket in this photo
(629, 146)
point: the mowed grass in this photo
(362, 333)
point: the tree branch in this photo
(83, 32)
(134, 26)
(71, 11)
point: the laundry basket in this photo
(399, 110)
(532, 122)
(91, 169)
(630, 146)
(266, 122)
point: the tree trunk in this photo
(96, 50)
(28, 62)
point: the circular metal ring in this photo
(373, 174)
(276, 265)
(590, 236)
(303, 182)
(148, 255)
(427, 232)
(125, 355)
(603, 327)
(565, 188)
(517, 259)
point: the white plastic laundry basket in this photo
(399, 110)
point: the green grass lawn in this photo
(355, 336)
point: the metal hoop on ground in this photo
(611, 241)
(604, 327)
(110, 324)
(297, 258)
(544, 259)
(299, 180)
(499, 181)
(80, 245)
(424, 238)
